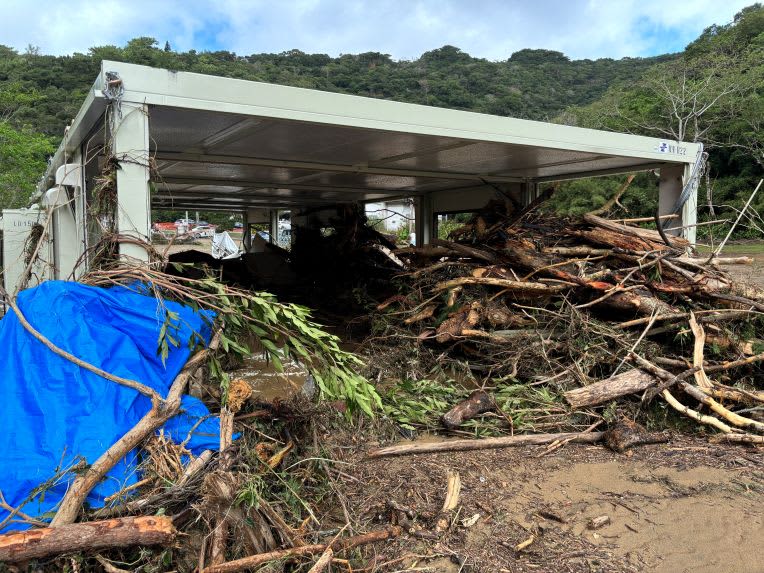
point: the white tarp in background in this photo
(223, 246)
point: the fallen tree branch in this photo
(151, 421)
(87, 536)
(614, 199)
(694, 414)
(465, 250)
(737, 439)
(304, 550)
(520, 286)
(486, 443)
(731, 417)
(323, 562)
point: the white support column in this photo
(64, 202)
(529, 192)
(669, 190)
(690, 209)
(131, 147)
(81, 217)
(63, 231)
(423, 219)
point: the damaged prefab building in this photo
(190, 141)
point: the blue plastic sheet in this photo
(54, 413)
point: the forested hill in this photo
(534, 84)
(40, 94)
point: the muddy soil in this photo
(682, 506)
(750, 273)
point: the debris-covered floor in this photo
(635, 367)
(681, 506)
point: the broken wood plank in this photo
(86, 536)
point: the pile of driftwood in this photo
(594, 308)
(219, 511)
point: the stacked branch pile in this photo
(591, 307)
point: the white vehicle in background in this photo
(202, 231)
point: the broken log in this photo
(323, 562)
(718, 261)
(515, 286)
(577, 251)
(477, 403)
(486, 443)
(465, 250)
(87, 536)
(626, 434)
(630, 382)
(304, 550)
(649, 235)
(638, 301)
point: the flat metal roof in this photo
(223, 143)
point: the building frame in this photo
(205, 143)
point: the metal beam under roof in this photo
(221, 141)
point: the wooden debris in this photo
(252, 561)
(86, 536)
(477, 403)
(604, 391)
(598, 522)
(156, 417)
(323, 562)
(525, 544)
(452, 492)
(486, 443)
(625, 434)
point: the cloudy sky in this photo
(490, 29)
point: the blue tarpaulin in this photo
(54, 413)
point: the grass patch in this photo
(752, 248)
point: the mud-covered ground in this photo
(750, 273)
(683, 506)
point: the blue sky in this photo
(491, 29)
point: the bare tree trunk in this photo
(88, 536)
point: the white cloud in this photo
(491, 29)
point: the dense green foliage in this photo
(23, 155)
(536, 84)
(716, 85)
(712, 93)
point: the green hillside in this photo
(39, 94)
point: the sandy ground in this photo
(750, 273)
(685, 506)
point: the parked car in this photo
(202, 231)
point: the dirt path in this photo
(685, 506)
